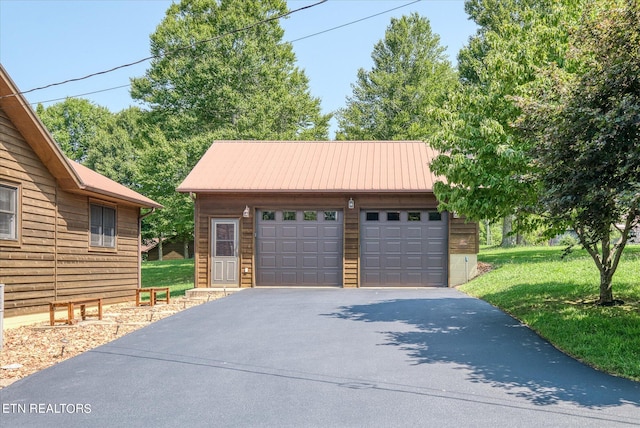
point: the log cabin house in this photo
(324, 213)
(65, 230)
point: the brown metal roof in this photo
(322, 166)
(93, 182)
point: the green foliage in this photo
(210, 77)
(486, 164)
(163, 165)
(409, 78)
(92, 136)
(555, 297)
(568, 240)
(586, 129)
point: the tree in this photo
(93, 136)
(586, 127)
(409, 77)
(485, 162)
(222, 66)
(163, 165)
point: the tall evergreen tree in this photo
(396, 98)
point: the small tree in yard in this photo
(587, 128)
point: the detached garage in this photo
(324, 213)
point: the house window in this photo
(103, 226)
(435, 216)
(8, 212)
(310, 216)
(414, 215)
(373, 216)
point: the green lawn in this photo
(176, 274)
(555, 298)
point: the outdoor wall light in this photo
(351, 204)
(246, 212)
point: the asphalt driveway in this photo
(325, 358)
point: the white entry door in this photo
(224, 252)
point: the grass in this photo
(175, 274)
(555, 297)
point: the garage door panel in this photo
(310, 247)
(310, 231)
(371, 231)
(403, 248)
(391, 232)
(414, 262)
(289, 278)
(268, 232)
(332, 232)
(289, 231)
(299, 247)
(331, 247)
(372, 247)
(413, 247)
(372, 262)
(393, 247)
(413, 232)
(393, 262)
(289, 261)
(268, 261)
(310, 263)
(290, 247)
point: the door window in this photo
(225, 239)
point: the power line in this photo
(354, 22)
(239, 30)
(209, 40)
(82, 95)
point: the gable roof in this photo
(319, 166)
(71, 176)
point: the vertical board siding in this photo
(54, 259)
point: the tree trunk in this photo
(508, 240)
(160, 248)
(487, 227)
(606, 290)
(185, 248)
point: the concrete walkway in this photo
(325, 358)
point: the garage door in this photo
(403, 248)
(299, 248)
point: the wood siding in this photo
(463, 236)
(52, 258)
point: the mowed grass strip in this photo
(175, 274)
(555, 297)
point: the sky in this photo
(50, 41)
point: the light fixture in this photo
(246, 212)
(351, 204)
